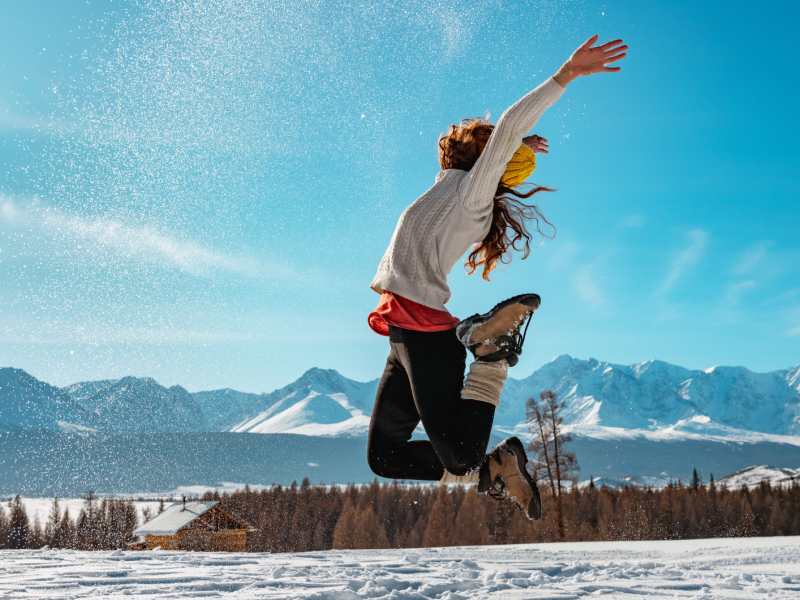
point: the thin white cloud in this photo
(561, 256)
(698, 238)
(794, 318)
(751, 257)
(32, 332)
(144, 244)
(113, 240)
(736, 291)
(586, 286)
(632, 222)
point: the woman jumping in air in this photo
(472, 202)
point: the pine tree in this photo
(3, 529)
(470, 527)
(369, 533)
(53, 521)
(302, 527)
(695, 480)
(591, 482)
(417, 534)
(130, 523)
(65, 534)
(439, 531)
(18, 527)
(554, 461)
(344, 534)
(36, 534)
(319, 542)
(88, 527)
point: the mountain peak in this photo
(317, 372)
(562, 359)
(329, 378)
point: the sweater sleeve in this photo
(480, 185)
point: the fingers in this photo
(589, 42)
(615, 58)
(611, 69)
(608, 45)
(616, 50)
(536, 143)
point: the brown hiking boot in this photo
(503, 475)
(496, 334)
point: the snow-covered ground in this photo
(721, 568)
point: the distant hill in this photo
(753, 476)
(44, 464)
(47, 464)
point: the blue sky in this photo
(201, 192)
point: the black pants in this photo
(422, 382)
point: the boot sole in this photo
(534, 509)
(467, 326)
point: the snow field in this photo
(717, 568)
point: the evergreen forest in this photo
(303, 517)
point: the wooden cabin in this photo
(193, 526)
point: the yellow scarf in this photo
(519, 168)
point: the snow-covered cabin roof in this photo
(174, 518)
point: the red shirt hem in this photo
(402, 312)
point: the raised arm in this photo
(588, 61)
(520, 118)
(504, 141)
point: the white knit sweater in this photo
(442, 224)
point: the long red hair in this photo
(460, 148)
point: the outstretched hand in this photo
(536, 143)
(588, 61)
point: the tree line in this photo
(101, 524)
(303, 517)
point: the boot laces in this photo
(515, 338)
(497, 491)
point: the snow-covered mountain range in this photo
(137, 405)
(652, 399)
(27, 404)
(642, 423)
(662, 401)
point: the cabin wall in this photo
(231, 540)
(167, 542)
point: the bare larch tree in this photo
(554, 463)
